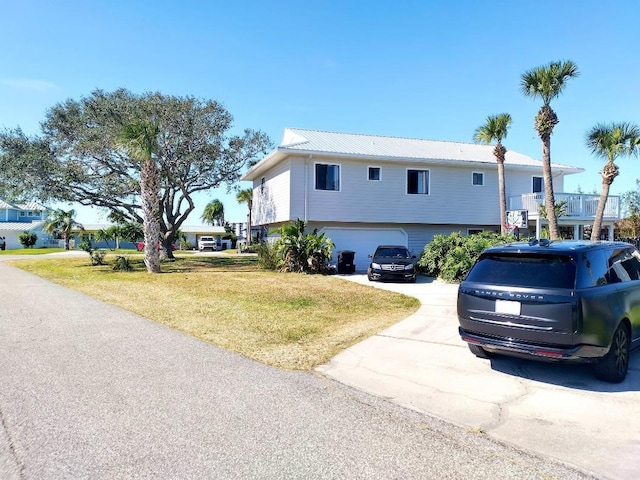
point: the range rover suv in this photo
(559, 301)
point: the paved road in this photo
(559, 411)
(88, 390)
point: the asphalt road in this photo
(88, 390)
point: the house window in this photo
(374, 174)
(327, 177)
(418, 182)
(477, 178)
(538, 185)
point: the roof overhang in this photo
(280, 154)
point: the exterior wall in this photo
(453, 204)
(9, 215)
(271, 199)
(522, 182)
(452, 198)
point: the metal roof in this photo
(348, 145)
(33, 206)
(19, 226)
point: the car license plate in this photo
(508, 306)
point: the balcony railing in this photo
(577, 204)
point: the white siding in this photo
(451, 198)
(271, 200)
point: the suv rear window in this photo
(548, 271)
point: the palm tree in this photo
(61, 222)
(548, 82)
(141, 140)
(214, 213)
(495, 128)
(105, 235)
(246, 196)
(609, 142)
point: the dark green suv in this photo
(559, 301)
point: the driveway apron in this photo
(557, 410)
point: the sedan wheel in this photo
(614, 365)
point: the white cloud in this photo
(31, 85)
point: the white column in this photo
(538, 227)
(610, 232)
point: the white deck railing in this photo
(577, 204)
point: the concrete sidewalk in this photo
(560, 411)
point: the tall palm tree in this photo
(495, 129)
(548, 82)
(141, 140)
(213, 213)
(246, 196)
(61, 222)
(610, 142)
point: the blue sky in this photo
(423, 69)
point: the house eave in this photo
(281, 153)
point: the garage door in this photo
(363, 241)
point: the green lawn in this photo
(288, 320)
(31, 251)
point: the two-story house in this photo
(365, 190)
(16, 219)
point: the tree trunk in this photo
(549, 198)
(609, 172)
(499, 153)
(250, 205)
(149, 188)
(167, 246)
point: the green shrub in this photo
(435, 253)
(122, 264)
(267, 256)
(97, 257)
(28, 239)
(85, 244)
(451, 257)
(303, 252)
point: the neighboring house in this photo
(365, 190)
(192, 232)
(28, 217)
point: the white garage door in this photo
(363, 241)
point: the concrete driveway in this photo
(560, 411)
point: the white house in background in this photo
(365, 190)
(27, 217)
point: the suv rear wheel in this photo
(478, 351)
(614, 365)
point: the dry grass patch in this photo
(290, 320)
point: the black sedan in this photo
(392, 262)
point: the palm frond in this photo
(548, 81)
(612, 140)
(495, 128)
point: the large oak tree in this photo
(79, 158)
